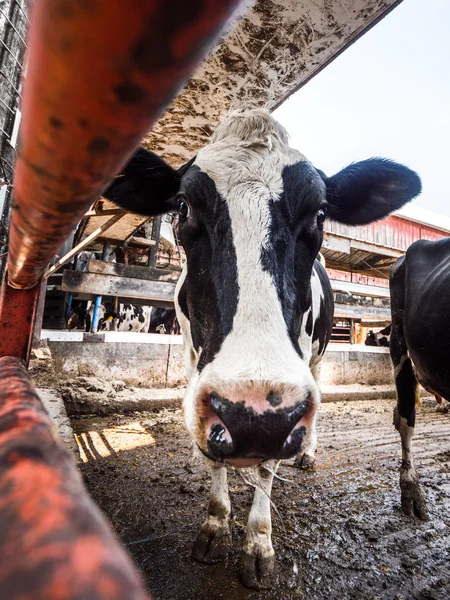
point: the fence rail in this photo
(76, 133)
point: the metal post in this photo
(156, 232)
(39, 317)
(98, 300)
(55, 542)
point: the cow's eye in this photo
(321, 214)
(183, 208)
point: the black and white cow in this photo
(130, 317)
(254, 305)
(379, 338)
(164, 320)
(420, 347)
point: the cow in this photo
(254, 305)
(81, 315)
(419, 348)
(130, 317)
(380, 338)
(164, 320)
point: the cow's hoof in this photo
(212, 545)
(413, 500)
(443, 408)
(305, 462)
(257, 571)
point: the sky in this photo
(387, 95)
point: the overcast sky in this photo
(387, 95)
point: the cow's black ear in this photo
(369, 190)
(146, 186)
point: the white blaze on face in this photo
(246, 162)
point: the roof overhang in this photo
(273, 50)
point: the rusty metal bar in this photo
(17, 310)
(110, 69)
(55, 542)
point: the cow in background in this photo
(164, 320)
(254, 305)
(420, 347)
(380, 338)
(132, 318)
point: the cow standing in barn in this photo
(420, 347)
(379, 338)
(254, 305)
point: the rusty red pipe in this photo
(55, 542)
(99, 73)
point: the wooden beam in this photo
(140, 241)
(90, 238)
(348, 311)
(107, 212)
(359, 289)
(132, 271)
(107, 285)
(375, 249)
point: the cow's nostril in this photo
(217, 433)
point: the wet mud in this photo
(338, 533)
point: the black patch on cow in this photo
(369, 190)
(272, 426)
(211, 287)
(295, 237)
(165, 317)
(309, 324)
(324, 323)
(146, 185)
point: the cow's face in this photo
(251, 213)
(251, 223)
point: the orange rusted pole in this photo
(55, 542)
(99, 73)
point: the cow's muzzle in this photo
(241, 437)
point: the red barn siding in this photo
(393, 232)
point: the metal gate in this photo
(13, 29)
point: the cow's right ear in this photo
(146, 186)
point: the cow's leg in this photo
(213, 542)
(258, 567)
(307, 458)
(413, 499)
(442, 404)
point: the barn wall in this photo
(161, 365)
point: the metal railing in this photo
(76, 133)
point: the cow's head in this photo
(251, 214)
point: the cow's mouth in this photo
(238, 463)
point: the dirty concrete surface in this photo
(338, 533)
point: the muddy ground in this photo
(338, 531)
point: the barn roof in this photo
(270, 53)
